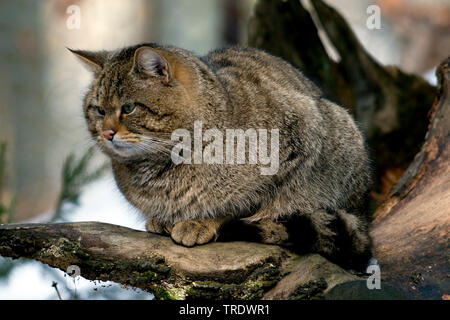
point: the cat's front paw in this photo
(155, 226)
(192, 232)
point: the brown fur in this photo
(324, 174)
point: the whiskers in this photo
(158, 145)
(134, 145)
(156, 133)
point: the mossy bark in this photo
(231, 270)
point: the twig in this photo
(55, 285)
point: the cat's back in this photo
(257, 69)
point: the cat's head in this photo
(139, 96)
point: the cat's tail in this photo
(339, 236)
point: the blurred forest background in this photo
(42, 130)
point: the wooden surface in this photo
(220, 270)
(411, 228)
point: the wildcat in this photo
(317, 199)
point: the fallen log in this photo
(220, 270)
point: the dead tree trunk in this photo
(411, 228)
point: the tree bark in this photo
(220, 270)
(411, 228)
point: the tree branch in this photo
(231, 270)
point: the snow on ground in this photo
(99, 201)
(102, 201)
(430, 76)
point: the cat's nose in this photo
(109, 134)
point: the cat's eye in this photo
(100, 111)
(96, 109)
(128, 108)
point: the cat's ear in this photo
(149, 63)
(93, 60)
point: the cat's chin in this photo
(120, 157)
(125, 154)
(121, 154)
